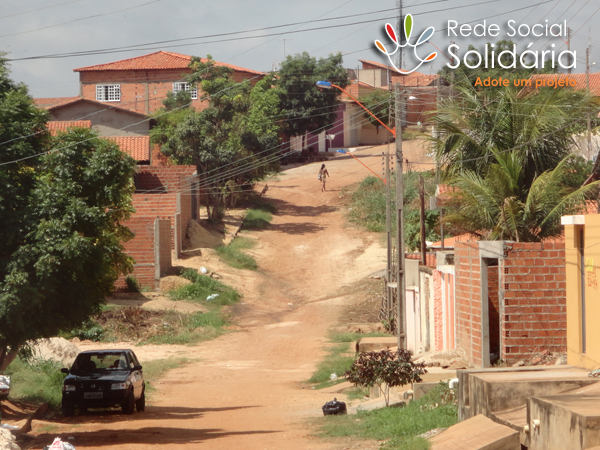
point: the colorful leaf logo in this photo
(408, 28)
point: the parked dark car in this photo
(102, 379)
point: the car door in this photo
(137, 377)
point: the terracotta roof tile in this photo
(65, 125)
(51, 102)
(138, 147)
(580, 81)
(415, 79)
(156, 61)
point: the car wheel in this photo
(140, 404)
(68, 410)
(128, 406)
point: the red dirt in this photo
(246, 390)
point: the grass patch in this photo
(336, 363)
(400, 426)
(357, 393)
(352, 337)
(155, 369)
(262, 204)
(368, 204)
(257, 219)
(202, 287)
(184, 329)
(233, 255)
(37, 381)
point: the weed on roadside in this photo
(335, 362)
(400, 426)
(36, 381)
(202, 287)
(182, 329)
(156, 368)
(257, 219)
(341, 336)
(233, 255)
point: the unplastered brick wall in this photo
(167, 178)
(468, 300)
(142, 249)
(163, 192)
(145, 90)
(535, 317)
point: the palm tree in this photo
(538, 125)
(501, 205)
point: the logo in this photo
(408, 22)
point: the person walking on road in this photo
(323, 174)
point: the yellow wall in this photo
(591, 236)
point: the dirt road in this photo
(245, 390)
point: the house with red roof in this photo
(105, 119)
(141, 84)
(419, 85)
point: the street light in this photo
(399, 284)
(329, 85)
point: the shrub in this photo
(202, 287)
(132, 284)
(257, 219)
(385, 367)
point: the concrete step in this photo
(560, 422)
(477, 433)
(372, 344)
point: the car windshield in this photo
(100, 361)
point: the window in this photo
(108, 92)
(186, 87)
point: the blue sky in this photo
(47, 27)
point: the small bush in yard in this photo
(385, 368)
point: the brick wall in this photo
(534, 300)
(142, 249)
(171, 178)
(468, 300)
(144, 90)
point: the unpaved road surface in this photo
(245, 389)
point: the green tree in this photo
(381, 103)
(231, 132)
(66, 254)
(305, 107)
(502, 205)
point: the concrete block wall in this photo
(468, 300)
(535, 310)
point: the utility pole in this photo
(452, 77)
(400, 28)
(569, 31)
(422, 198)
(589, 117)
(400, 293)
(284, 39)
(389, 313)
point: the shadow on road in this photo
(148, 435)
(151, 413)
